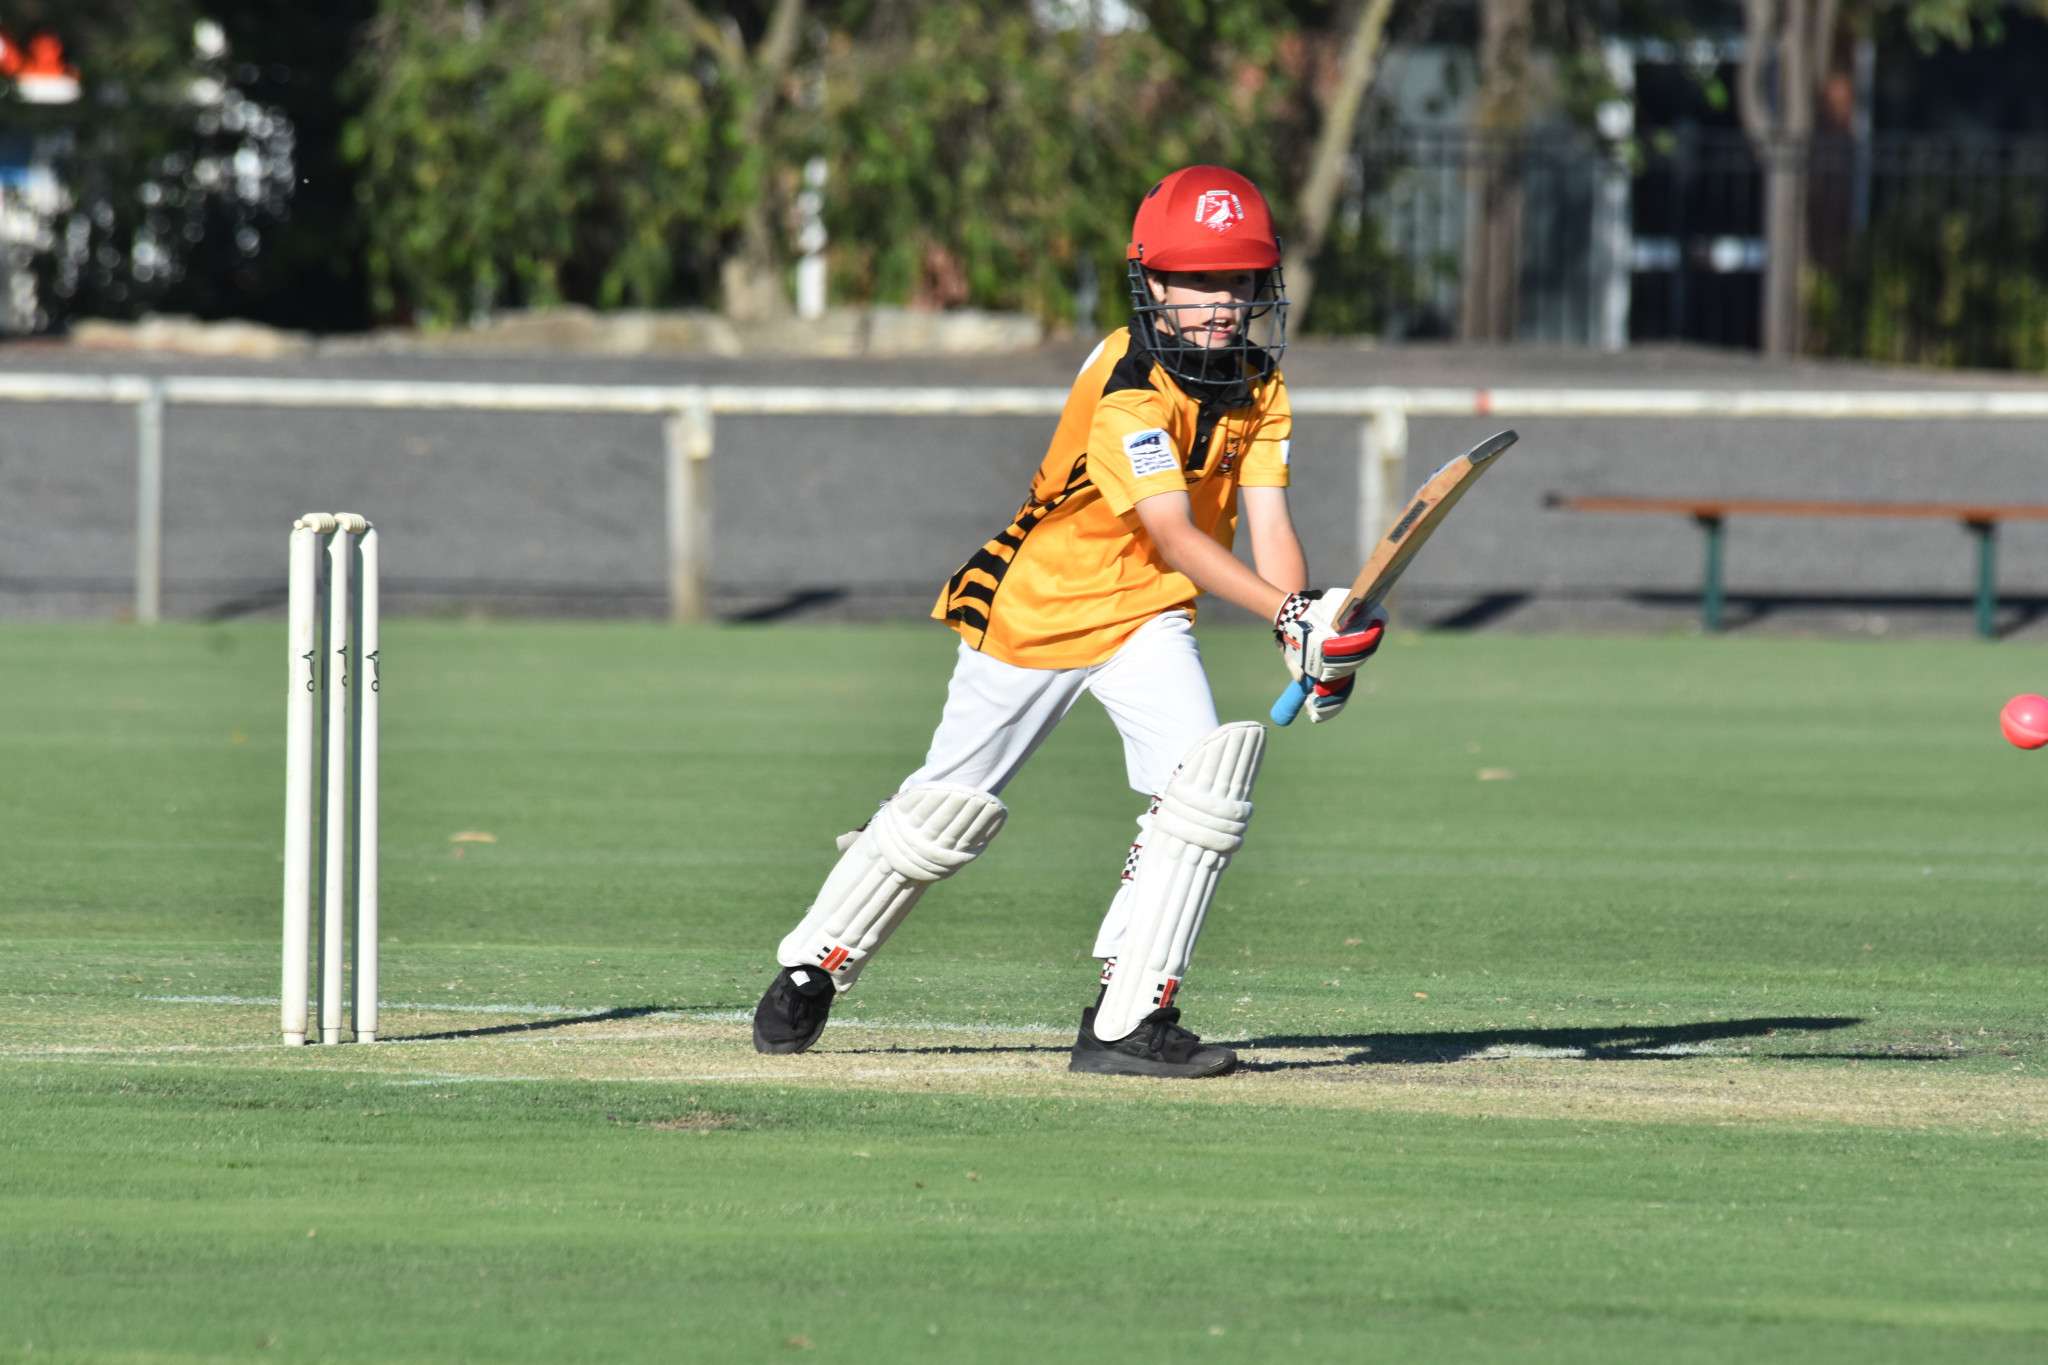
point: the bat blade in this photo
(1398, 548)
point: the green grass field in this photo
(1602, 1000)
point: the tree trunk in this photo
(1493, 185)
(1333, 148)
(750, 277)
(1785, 54)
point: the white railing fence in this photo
(689, 414)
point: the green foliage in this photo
(970, 152)
(977, 155)
(1932, 23)
(591, 151)
(1360, 281)
(535, 153)
(1942, 279)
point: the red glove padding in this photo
(1326, 699)
(1311, 642)
(1349, 651)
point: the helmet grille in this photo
(1225, 372)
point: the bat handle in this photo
(1290, 703)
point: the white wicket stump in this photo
(331, 773)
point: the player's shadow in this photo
(949, 1049)
(1481, 612)
(1626, 1043)
(2016, 611)
(789, 604)
(535, 1025)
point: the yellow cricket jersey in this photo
(1075, 575)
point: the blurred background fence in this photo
(856, 195)
(1928, 249)
(850, 501)
(1921, 248)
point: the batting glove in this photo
(1312, 644)
(1326, 699)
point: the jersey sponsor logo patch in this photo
(1219, 209)
(1150, 452)
(1286, 448)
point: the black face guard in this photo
(1224, 372)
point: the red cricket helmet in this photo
(1208, 218)
(1205, 218)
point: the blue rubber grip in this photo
(1291, 701)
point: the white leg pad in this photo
(921, 836)
(1200, 822)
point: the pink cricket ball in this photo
(2025, 721)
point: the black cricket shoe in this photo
(1159, 1046)
(793, 1010)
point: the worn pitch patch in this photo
(1507, 1081)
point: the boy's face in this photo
(1204, 306)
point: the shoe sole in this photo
(786, 1048)
(1122, 1064)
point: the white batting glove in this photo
(1326, 699)
(1311, 643)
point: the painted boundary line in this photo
(689, 413)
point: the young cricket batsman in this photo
(1177, 428)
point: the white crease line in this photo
(741, 1017)
(1532, 1051)
(574, 1010)
(910, 1025)
(578, 1012)
(588, 1039)
(141, 1048)
(207, 1000)
(314, 1049)
(441, 1078)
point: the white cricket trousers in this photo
(997, 715)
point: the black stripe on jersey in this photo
(1206, 418)
(982, 592)
(1133, 370)
(994, 559)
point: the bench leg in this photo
(1710, 576)
(1987, 577)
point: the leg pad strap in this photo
(921, 836)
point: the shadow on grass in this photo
(1641, 1043)
(541, 1025)
(951, 1050)
(2015, 612)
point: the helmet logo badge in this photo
(1219, 209)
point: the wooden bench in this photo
(1711, 514)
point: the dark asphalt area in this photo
(855, 518)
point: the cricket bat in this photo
(1397, 549)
